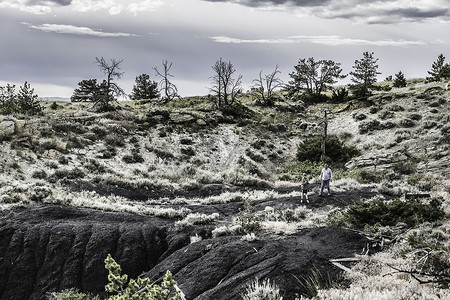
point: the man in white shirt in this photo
(325, 176)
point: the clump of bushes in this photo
(369, 126)
(407, 123)
(71, 174)
(134, 157)
(297, 169)
(389, 213)
(336, 151)
(25, 101)
(247, 219)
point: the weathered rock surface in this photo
(50, 248)
(7, 129)
(221, 268)
(54, 247)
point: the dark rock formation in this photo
(221, 268)
(50, 248)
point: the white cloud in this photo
(230, 40)
(148, 5)
(115, 7)
(332, 40)
(70, 29)
(92, 5)
(23, 6)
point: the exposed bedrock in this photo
(51, 248)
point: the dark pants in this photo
(325, 183)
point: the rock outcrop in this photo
(7, 129)
(50, 248)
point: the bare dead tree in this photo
(112, 72)
(224, 86)
(265, 86)
(167, 88)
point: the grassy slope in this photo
(184, 146)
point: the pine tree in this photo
(27, 100)
(365, 74)
(439, 69)
(400, 80)
(144, 88)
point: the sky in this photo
(53, 44)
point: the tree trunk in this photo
(324, 137)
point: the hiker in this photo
(305, 185)
(325, 176)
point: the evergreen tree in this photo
(365, 74)
(439, 69)
(399, 80)
(87, 91)
(8, 99)
(90, 91)
(27, 100)
(314, 77)
(144, 88)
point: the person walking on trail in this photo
(325, 176)
(305, 186)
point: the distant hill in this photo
(54, 99)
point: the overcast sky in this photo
(53, 44)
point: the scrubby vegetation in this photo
(234, 172)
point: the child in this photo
(305, 186)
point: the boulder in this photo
(7, 129)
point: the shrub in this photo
(314, 282)
(339, 95)
(407, 123)
(384, 213)
(387, 125)
(186, 141)
(405, 168)
(188, 151)
(336, 151)
(296, 170)
(94, 166)
(71, 294)
(39, 174)
(69, 127)
(25, 101)
(359, 117)
(385, 114)
(75, 173)
(262, 291)
(254, 156)
(247, 219)
(107, 152)
(369, 126)
(396, 107)
(415, 117)
(142, 289)
(135, 157)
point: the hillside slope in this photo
(182, 186)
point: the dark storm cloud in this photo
(416, 13)
(50, 2)
(261, 3)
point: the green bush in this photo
(336, 151)
(369, 126)
(407, 123)
(296, 170)
(247, 218)
(71, 294)
(385, 213)
(142, 289)
(25, 101)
